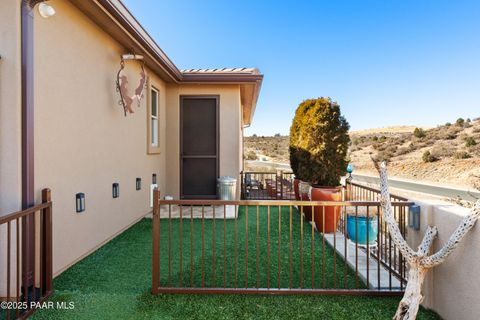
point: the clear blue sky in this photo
(399, 62)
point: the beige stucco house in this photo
(62, 127)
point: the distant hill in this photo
(386, 130)
(267, 148)
(448, 154)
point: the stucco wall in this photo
(229, 118)
(83, 142)
(10, 122)
(451, 289)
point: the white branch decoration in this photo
(420, 262)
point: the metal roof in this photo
(222, 71)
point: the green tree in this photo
(319, 142)
(251, 155)
(419, 133)
(428, 157)
(470, 142)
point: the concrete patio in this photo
(388, 281)
(208, 212)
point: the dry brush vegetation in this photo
(274, 148)
(448, 154)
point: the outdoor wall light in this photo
(45, 10)
(80, 201)
(138, 183)
(414, 217)
(154, 178)
(115, 190)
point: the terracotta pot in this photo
(295, 189)
(332, 213)
(304, 192)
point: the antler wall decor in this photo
(420, 261)
(126, 101)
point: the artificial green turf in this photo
(231, 251)
(115, 281)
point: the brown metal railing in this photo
(386, 252)
(21, 300)
(359, 191)
(267, 185)
(266, 246)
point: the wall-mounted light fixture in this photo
(45, 10)
(115, 190)
(80, 201)
(154, 178)
(138, 184)
(414, 217)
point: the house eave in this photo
(250, 85)
(117, 21)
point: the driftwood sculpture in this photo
(420, 261)
(125, 100)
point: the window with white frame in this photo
(153, 121)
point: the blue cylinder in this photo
(363, 223)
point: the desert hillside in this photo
(448, 154)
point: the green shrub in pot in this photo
(318, 153)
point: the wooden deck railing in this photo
(267, 246)
(267, 185)
(21, 292)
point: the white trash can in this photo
(227, 187)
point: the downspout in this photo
(243, 145)
(27, 44)
(28, 188)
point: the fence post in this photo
(46, 274)
(348, 189)
(281, 185)
(242, 186)
(155, 241)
